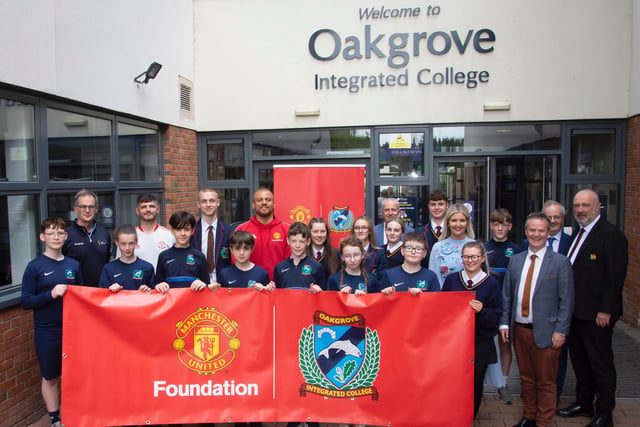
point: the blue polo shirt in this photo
(303, 275)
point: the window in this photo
(593, 152)
(401, 154)
(225, 159)
(139, 153)
(322, 142)
(496, 138)
(19, 231)
(79, 147)
(17, 134)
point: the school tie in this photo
(550, 240)
(318, 255)
(210, 244)
(576, 243)
(388, 253)
(470, 283)
(438, 230)
(527, 287)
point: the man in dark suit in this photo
(599, 254)
(217, 249)
(537, 300)
(558, 240)
(438, 205)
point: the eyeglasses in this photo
(55, 233)
(352, 256)
(413, 250)
(365, 228)
(471, 257)
(86, 207)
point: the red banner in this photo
(237, 355)
(335, 193)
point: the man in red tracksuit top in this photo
(270, 233)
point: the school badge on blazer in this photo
(340, 219)
(207, 341)
(339, 357)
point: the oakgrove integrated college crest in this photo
(339, 357)
(340, 219)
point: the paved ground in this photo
(494, 413)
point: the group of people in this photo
(555, 288)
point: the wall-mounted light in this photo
(151, 73)
(497, 106)
(307, 112)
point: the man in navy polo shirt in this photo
(87, 241)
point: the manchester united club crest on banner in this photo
(207, 341)
(339, 357)
(340, 219)
(300, 214)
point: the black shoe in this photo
(575, 410)
(601, 421)
(526, 422)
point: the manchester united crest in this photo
(340, 219)
(207, 341)
(300, 214)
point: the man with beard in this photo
(270, 232)
(599, 254)
(152, 237)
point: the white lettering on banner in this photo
(228, 388)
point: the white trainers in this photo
(505, 395)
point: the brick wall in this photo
(632, 223)
(20, 399)
(181, 170)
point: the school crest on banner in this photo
(340, 219)
(339, 357)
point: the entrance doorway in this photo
(520, 184)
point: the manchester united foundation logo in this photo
(339, 357)
(206, 341)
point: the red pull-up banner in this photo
(236, 355)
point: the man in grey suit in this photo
(537, 301)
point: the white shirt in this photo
(523, 277)
(555, 245)
(475, 279)
(151, 244)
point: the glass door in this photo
(465, 181)
(520, 184)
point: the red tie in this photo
(438, 230)
(388, 253)
(210, 243)
(318, 256)
(470, 283)
(526, 295)
(575, 245)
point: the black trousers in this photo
(591, 354)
